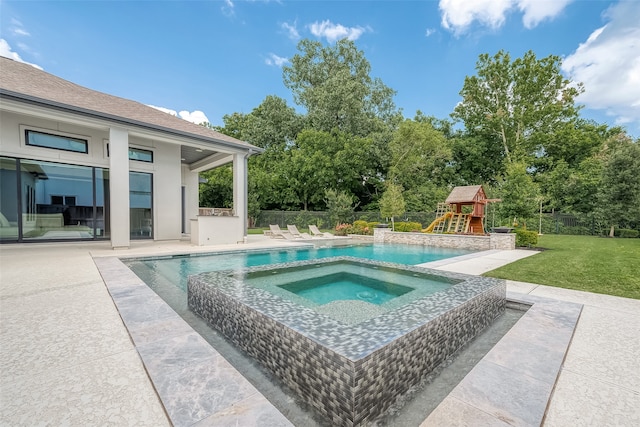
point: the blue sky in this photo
(205, 59)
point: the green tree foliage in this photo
(571, 143)
(321, 160)
(574, 190)
(340, 206)
(620, 189)
(392, 203)
(334, 85)
(522, 139)
(420, 156)
(217, 189)
(419, 153)
(514, 100)
(519, 194)
(476, 159)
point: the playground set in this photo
(451, 218)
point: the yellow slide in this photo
(436, 221)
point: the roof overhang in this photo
(199, 152)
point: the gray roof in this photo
(464, 194)
(29, 84)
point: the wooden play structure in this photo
(450, 216)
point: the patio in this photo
(67, 358)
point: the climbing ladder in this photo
(459, 223)
(443, 209)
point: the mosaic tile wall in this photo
(349, 373)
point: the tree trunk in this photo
(611, 234)
(393, 225)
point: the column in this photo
(240, 190)
(119, 187)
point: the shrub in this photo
(526, 238)
(626, 233)
(361, 227)
(408, 226)
(342, 229)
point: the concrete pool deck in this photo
(67, 358)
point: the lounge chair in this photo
(317, 233)
(297, 234)
(277, 233)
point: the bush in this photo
(343, 229)
(526, 238)
(408, 226)
(626, 233)
(361, 227)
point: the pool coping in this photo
(509, 385)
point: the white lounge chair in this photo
(297, 234)
(317, 233)
(277, 233)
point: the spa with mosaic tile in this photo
(350, 368)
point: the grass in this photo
(585, 263)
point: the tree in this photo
(217, 189)
(419, 153)
(392, 203)
(334, 85)
(339, 206)
(513, 101)
(620, 189)
(519, 193)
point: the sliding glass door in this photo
(52, 201)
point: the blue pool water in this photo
(177, 269)
(345, 286)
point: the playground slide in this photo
(436, 221)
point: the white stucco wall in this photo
(167, 199)
(190, 181)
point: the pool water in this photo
(345, 286)
(176, 269)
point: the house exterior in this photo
(77, 164)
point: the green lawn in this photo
(593, 264)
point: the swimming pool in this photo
(177, 268)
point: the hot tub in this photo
(351, 359)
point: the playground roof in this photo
(466, 194)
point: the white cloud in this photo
(276, 60)
(608, 63)
(7, 52)
(21, 32)
(458, 15)
(228, 8)
(430, 32)
(196, 116)
(536, 11)
(334, 32)
(291, 30)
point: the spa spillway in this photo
(349, 356)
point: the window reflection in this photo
(140, 198)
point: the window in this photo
(57, 142)
(138, 154)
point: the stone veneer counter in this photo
(348, 373)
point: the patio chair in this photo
(317, 233)
(297, 234)
(278, 233)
